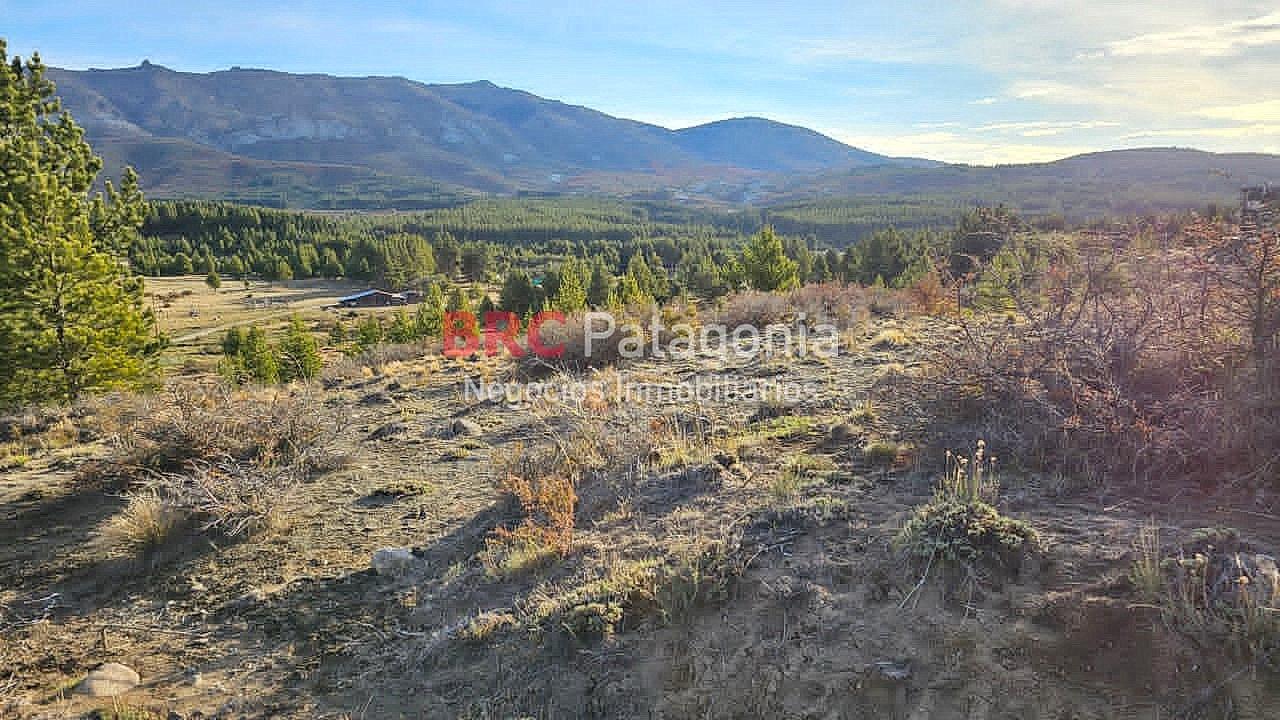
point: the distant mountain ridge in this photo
(205, 130)
(323, 141)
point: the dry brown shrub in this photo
(375, 360)
(191, 424)
(219, 460)
(931, 295)
(1115, 361)
(840, 304)
(753, 308)
(547, 503)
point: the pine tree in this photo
(259, 358)
(629, 293)
(72, 318)
(571, 294)
(401, 329)
(213, 280)
(518, 294)
(248, 356)
(299, 353)
(765, 265)
(448, 253)
(458, 300)
(338, 334)
(429, 319)
(638, 270)
(369, 332)
(601, 285)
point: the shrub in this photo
(547, 500)
(594, 621)
(230, 498)
(572, 334)
(485, 625)
(959, 526)
(191, 424)
(891, 339)
(951, 529)
(882, 453)
(1224, 592)
(1110, 357)
(222, 461)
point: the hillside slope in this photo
(475, 135)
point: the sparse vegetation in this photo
(145, 524)
(697, 530)
(958, 525)
(1147, 571)
(882, 453)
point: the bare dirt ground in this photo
(779, 591)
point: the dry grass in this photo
(890, 339)
(1146, 571)
(222, 461)
(147, 522)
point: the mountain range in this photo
(324, 141)
(194, 132)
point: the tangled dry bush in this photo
(843, 305)
(375, 360)
(211, 458)
(543, 481)
(1113, 358)
(188, 425)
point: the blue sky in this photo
(982, 82)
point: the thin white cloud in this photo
(1044, 128)
(1255, 112)
(958, 148)
(1237, 131)
(985, 101)
(1207, 40)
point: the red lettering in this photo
(535, 334)
(506, 335)
(460, 326)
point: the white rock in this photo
(109, 680)
(394, 561)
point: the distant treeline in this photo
(184, 237)
(487, 240)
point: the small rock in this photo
(896, 671)
(466, 428)
(376, 398)
(843, 434)
(394, 562)
(109, 680)
(247, 601)
(390, 430)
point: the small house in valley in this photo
(372, 298)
